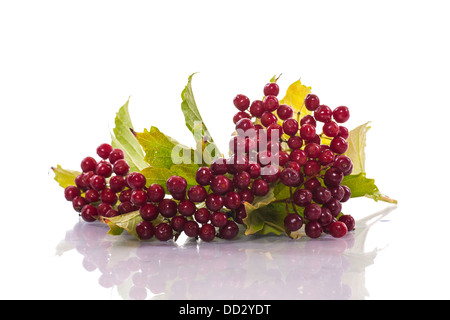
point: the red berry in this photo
(104, 169)
(285, 112)
(349, 221)
(138, 197)
(88, 164)
(330, 129)
(116, 154)
(268, 118)
(207, 232)
(88, 213)
(341, 114)
(121, 167)
(241, 115)
(104, 150)
(136, 180)
(271, 103)
(97, 182)
(293, 222)
(219, 219)
(290, 127)
(155, 193)
(338, 229)
(191, 228)
(229, 231)
(145, 230)
(202, 215)
(241, 102)
(78, 203)
(149, 212)
(312, 102)
(176, 185)
(163, 232)
(271, 89)
(307, 132)
(71, 192)
(323, 113)
(257, 108)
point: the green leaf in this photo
(65, 177)
(356, 145)
(194, 122)
(361, 186)
(124, 139)
(160, 175)
(162, 151)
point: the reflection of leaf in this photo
(162, 151)
(65, 177)
(124, 139)
(356, 146)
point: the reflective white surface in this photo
(62, 81)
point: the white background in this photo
(66, 67)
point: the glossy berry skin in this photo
(103, 208)
(241, 115)
(339, 145)
(290, 127)
(125, 195)
(260, 187)
(136, 180)
(163, 232)
(88, 164)
(338, 229)
(138, 197)
(242, 180)
(343, 132)
(197, 193)
(341, 114)
(285, 112)
(111, 213)
(232, 200)
(71, 192)
(337, 192)
(219, 166)
(155, 193)
(335, 206)
(191, 228)
(268, 118)
(257, 108)
(88, 213)
(308, 119)
(271, 103)
(321, 195)
(121, 167)
(330, 129)
(145, 230)
(312, 211)
(97, 182)
(313, 229)
(349, 221)
(176, 185)
(168, 208)
(347, 193)
(203, 176)
(186, 208)
(302, 197)
(214, 202)
(177, 223)
(298, 156)
(323, 113)
(116, 154)
(295, 142)
(342, 163)
(271, 89)
(290, 177)
(311, 167)
(207, 232)
(202, 215)
(326, 156)
(312, 184)
(244, 125)
(271, 173)
(219, 219)
(325, 217)
(92, 196)
(312, 150)
(104, 169)
(104, 150)
(229, 231)
(124, 207)
(312, 102)
(333, 177)
(117, 183)
(220, 184)
(307, 132)
(254, 169)
(149, 212)
(241, 102)
(293, 222)
(239, 214)
(246, 195)
(108, 196)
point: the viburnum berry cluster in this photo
(273, 145)
(106, 189)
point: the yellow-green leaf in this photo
(356, 146)
(65, 177)
(295, 97)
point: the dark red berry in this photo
(285, 112)
(115, 155)
(145, 230)
(178, 223)
(290, 177)
(313, 229)
(168, 208)
(88, 164)
(136, 180)
(104, 150)
(176, 185)
(241, 102)
(88, 213)
(312, 211)
(104, 169)
(338, 229)
(268, 118)
(155, 193)
(349, 221)
(207, 232)
(241, 115)
(97, 182)
(271, 89)
(219, 166)
(307, 132)
(108, 196)
(214, 202)
(295, 142)
(229, 231)
(197, 193)
(71, 192)
(78, 203)
(186, 208)
(123, 208)
(312, 102)
(339, 145)
(163, 232)
(260, 187)
(341, 114)
(257, 108)
(293, 222)
(231, 200)
(220, 184)
(149, 212)
(323, 113)
(138, 197)
(302, 197)
(103, 208)
(117, 183)
(219, 219)
(271, 103)
(191, 228)
(121, 167)
(202, 215)
(203, 176)
(290, 127)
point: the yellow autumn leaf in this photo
(295, 97)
